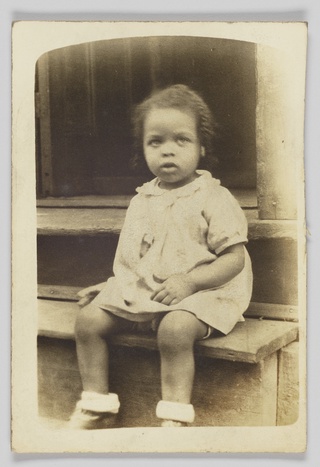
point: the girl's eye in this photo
(183, 140)
(154, 143)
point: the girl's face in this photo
(171, 146)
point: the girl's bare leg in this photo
(93, 326)
(177, 334)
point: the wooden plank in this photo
(246, 199)
(80, 221)
(269, 389)
(250, 341)
(60, 292)
(285, 229)
(45, 126)
(272, 311)
(73, 221)
(288, 387)
(255, 310)
(119, 201)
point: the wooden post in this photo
(288, 388)
(279, 129)
(42, 100)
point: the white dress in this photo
(171, 232)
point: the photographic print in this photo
(159, 264)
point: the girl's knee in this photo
(177, 330)
(90, 322)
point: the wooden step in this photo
(106, 221)
(251, 341)
(247, 198)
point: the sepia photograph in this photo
(159, 238)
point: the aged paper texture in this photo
(74, 87)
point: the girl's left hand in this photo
(174, 289)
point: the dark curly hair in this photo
(178, 96)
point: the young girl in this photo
(181, 268)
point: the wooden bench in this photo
(251, 341)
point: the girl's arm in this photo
(206, 276)
(227, 266)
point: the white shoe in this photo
(94, 411)
(86, 420)
(172, 424)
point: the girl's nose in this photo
(168, 149)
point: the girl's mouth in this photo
(168, 166)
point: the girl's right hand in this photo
(174, 289)
(89, 293)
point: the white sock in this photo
(175, 411)
(97, 402)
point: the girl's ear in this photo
(202, 151)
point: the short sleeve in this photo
(227, 224)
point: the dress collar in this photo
(152, 188)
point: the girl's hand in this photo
(174, 289)
(88, 294)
